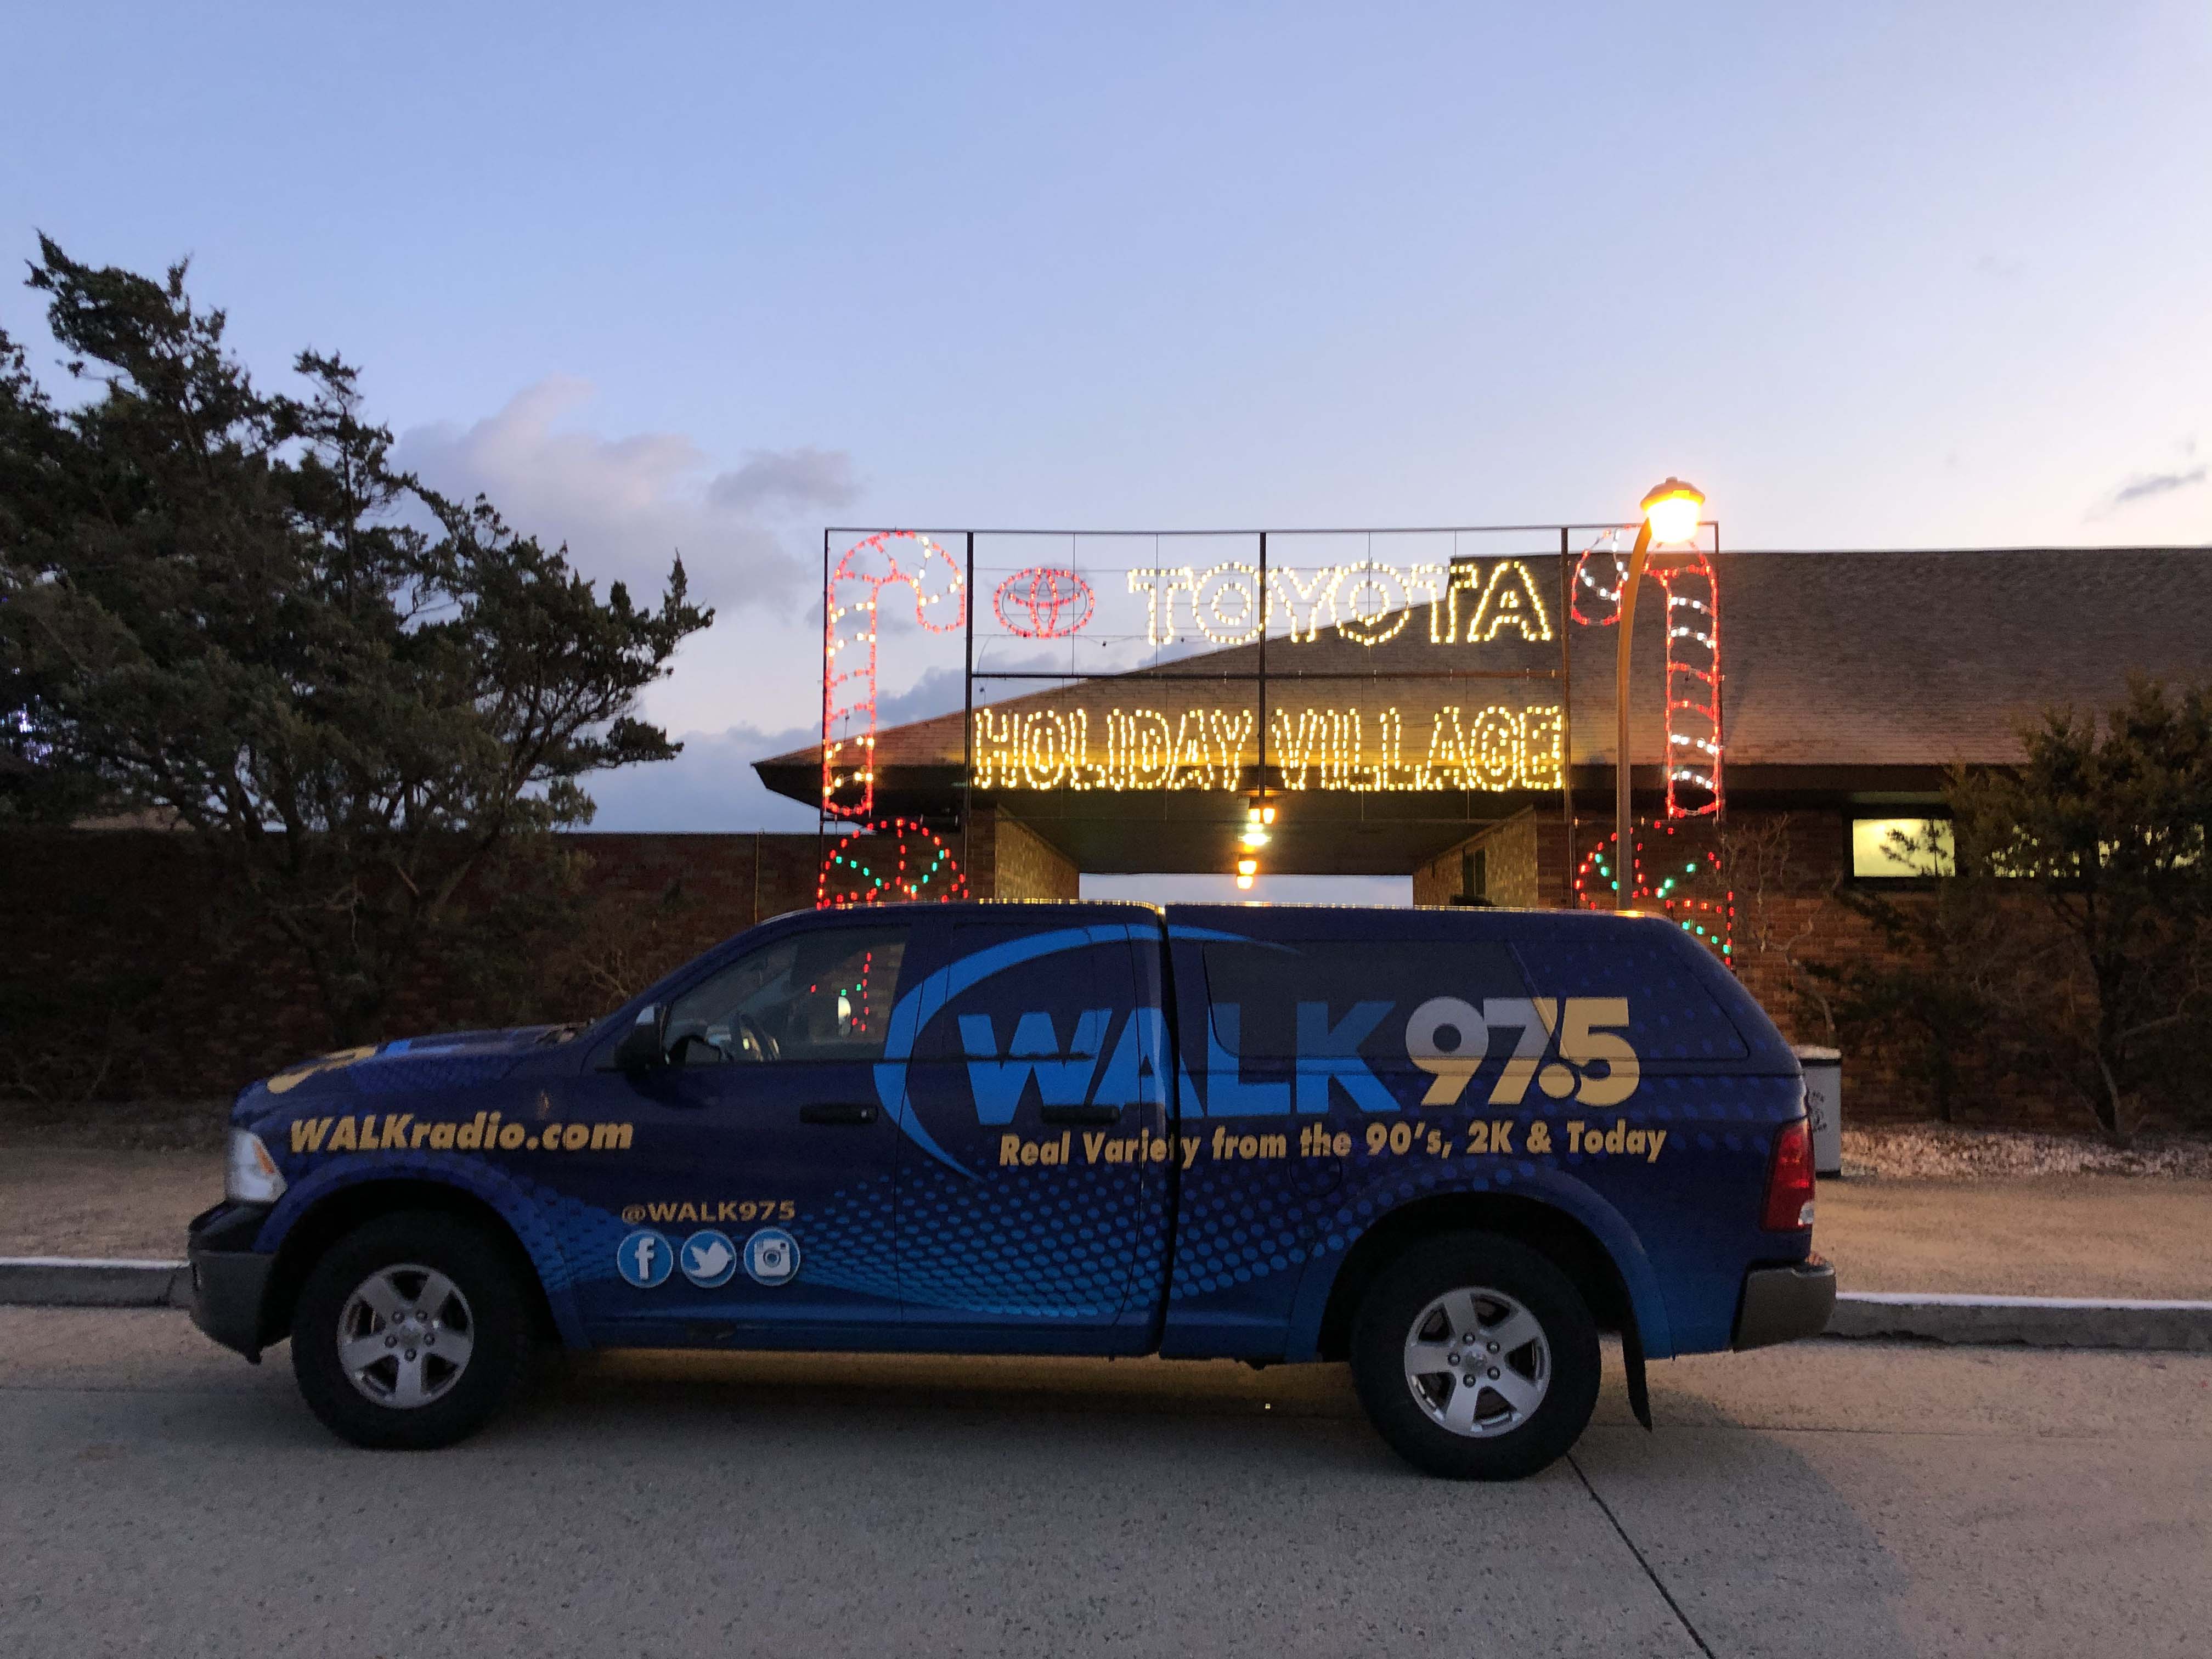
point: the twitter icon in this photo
(708, 1259)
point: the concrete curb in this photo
(62, 1281)
(2040, 1321)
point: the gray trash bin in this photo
(1824, 1106)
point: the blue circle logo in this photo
(772, 1256)
(644, 1258)
(708, 1259)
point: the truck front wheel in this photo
(1476, 1358)
(410, 1332)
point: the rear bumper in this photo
(230, 1285)
(1781, 1304)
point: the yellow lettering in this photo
(343, 1138)
(613, 1137)
(307, 1133)
(1511, 601)
(441, 1137)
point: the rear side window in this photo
(1659, 973)
(1033, 992)
(1256, 991)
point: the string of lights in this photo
(1693, 662)
(874, 868)
(1491, 749)
(1668, 872)
(897, 862)
(890, 558)
(1365, 601)
(1050, 601)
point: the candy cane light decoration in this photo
(852, 613)
(1661, 870)
(1693, 662)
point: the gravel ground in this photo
(116, 1126)
(1936, 1151)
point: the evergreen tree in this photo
(225, 606)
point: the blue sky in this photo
(1872, 275)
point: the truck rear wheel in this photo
(410, 1332)
(1476, 1358)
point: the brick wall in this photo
(1512, 862)
(1012, 861)
(118, 979)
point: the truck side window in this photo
(825, 995)
(1266, 984)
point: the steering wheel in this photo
(754, 1043)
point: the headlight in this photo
(250, 1174)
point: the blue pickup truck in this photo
(1447, 1147)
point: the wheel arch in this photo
(343, 1207)
(1565, 1238)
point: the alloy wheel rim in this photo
(1478, 1362)
(405, 1336)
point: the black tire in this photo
(1554, 1377)
(488, 1310)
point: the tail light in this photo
(1790, 1182)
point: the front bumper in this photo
(230, 1281)
(1781, 1304)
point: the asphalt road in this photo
(159, 1497)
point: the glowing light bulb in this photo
(1671, 510)
(1248, 867)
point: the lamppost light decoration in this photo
(1671, 510)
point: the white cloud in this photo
(627, 506)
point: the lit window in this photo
(1900, 850)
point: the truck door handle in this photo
(837, 1112)
(1081, 1115)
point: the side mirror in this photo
(644, 1046)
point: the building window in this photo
(1900, 850)
(1473, 876)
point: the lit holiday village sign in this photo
(1366, 602)
(1365, 751)
(1312, 720)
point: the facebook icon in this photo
(644, 1258)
